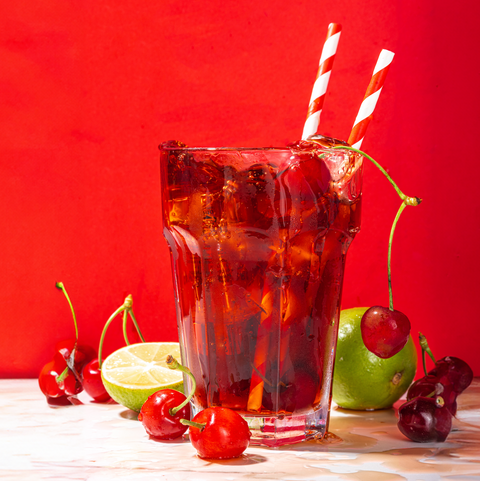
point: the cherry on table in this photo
(60, 378)
(219, 433)
(425, 419)
(83, 353)
(93, 384)
(163, 413)
(47, 380)
(160, 418)
(384, 331)
(431, 386)
(453, 370)
(50, 385)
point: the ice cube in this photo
(347, 180)
(249, 196)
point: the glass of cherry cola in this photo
(258, 240)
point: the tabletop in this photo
(106, 441)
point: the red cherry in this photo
(48, 381)
(455, 371)
(429, 386)
(156, 416)
(307, 176)
(93, 384)
(72, 385)
(425, 420)
(384, 332)
(83, 353)
(65, 347)
(225, 434)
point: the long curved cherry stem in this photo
(135, 323)
(409, 200)
(105, 327)
(390, 241)
(424, 361)
(71, 359)
(172, 363)
(124, 327)
(59, 285)
(126, 307)
(413, 201)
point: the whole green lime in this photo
(362, 380)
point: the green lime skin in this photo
(362, 380)
(134, 398)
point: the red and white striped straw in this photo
(323, 76)
(370, 100)
(261, 357)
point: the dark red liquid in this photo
(258, 241)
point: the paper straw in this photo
(260, 360)
(370, 100)
(323, 76)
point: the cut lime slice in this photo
(135, 372)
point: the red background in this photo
(89, 89)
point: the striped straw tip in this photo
(384, 60)
(334, 26)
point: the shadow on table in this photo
(244, 460)
(129, 414)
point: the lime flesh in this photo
(363, 381)
(133, 373)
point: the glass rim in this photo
(244, 149)
(221, 149)
(292, 147)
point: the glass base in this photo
(278, 431)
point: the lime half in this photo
(135, 372)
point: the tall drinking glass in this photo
(258, 239)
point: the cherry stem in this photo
(425, 347)
(59, 285)
(424, 361)
(62, 376)
(390, 241)
(413, 201)
(71, 359)
(172, 363)
(135, 323)
(410, 200)
(125, 307)
(124, 327)
(186, 422)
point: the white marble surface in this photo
(103, 442)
